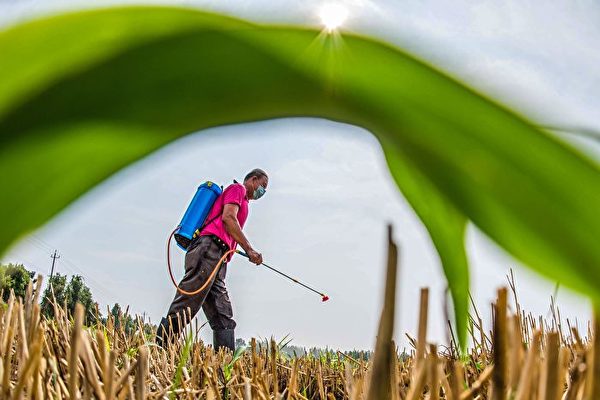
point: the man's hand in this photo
(255, 257)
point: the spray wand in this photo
(324, 297)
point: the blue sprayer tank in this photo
(196, 213)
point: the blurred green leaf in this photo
(446, 227)
(85, 94)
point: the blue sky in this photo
(330, 195)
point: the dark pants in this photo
(200, 260)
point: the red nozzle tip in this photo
(325, 298)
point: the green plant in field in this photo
(105, 336)
(84, 94)
(132, 352)
(282, 347)
(228, 368)
(183, 358)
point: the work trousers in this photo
(200, 261)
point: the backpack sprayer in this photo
(193, 221)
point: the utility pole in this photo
(54, 257)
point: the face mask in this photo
(258, 193)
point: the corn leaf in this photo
(84, 94)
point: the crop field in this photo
(520, 357)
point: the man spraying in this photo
(222, 232)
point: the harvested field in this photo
(521, 357)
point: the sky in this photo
(330, 196)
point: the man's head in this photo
(256, 183)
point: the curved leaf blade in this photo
(101, 102)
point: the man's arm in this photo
(232, 225)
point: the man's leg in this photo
(219, 312)
(199, 263)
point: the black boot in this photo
(164, 334)
(224, 338)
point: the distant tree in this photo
(58, 285)
(14, 277)
(68, 294)
(78, 292)
(239, 342)
(359, 354)
(115, 311)
(121, 320)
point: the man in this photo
(221, 232)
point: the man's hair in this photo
(259, 173)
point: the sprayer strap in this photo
(197, 232)
(208, 223)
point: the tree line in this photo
(64, 292)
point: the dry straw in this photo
(521, 357)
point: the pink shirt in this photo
(233, 194)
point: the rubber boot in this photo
(164, 335)
(224, 338)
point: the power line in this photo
(71, 266)
(33, 241)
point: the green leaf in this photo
(446, 226)
(107, 341)
(228, 368)
(284, 342)
(85, 94)
(186, 350)
(238, 353)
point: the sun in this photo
(333, 16)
